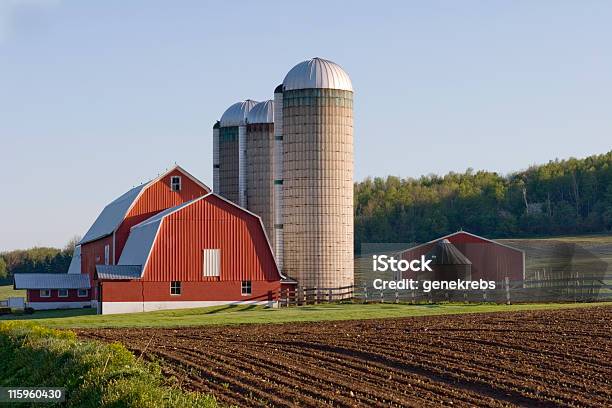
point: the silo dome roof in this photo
(236, 114)
(317, 73)
(263, 112)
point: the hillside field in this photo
(563, 257)
(545, 258)
(7, 291)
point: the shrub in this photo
(94, 374)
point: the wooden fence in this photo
(581, 289)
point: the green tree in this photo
(3, 270)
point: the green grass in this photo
(257, 314)
(7, 291)
(94, 374)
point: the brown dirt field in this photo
(534, 359)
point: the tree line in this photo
(562, 197)
(36, 260)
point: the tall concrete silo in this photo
(260, 164)
(229, 147)
(315, 125)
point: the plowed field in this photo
(534, 359)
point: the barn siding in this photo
(209, 224)
(92, 254)
(155, 198)
(490, 260)
(34, 296)
(136, 291)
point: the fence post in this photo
(316, 295)
(507, 280)
(365, 294)
(484, 296)
(305, 296)
(330, 295)
(382, 296)
(413, 295)
(396, 296)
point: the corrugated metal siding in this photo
(114, 291)
(211, 223)
(50, 281)
(154, 199)
(92, 254)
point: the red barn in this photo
(490, 260)
(243, 258)
(205, 252)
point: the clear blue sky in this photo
(98, 96)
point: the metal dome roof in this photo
(236, 114)
(317, 73)
(263, 112)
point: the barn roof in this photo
(114, 213)
(445, 253)
(466, 233)
(75, 262)
(142, 236)
(51, 281)
(118, 272)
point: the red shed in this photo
(490, 260)
(208, 251)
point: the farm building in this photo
(169, 243)
(290, 160)
(467, 256)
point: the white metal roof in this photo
(75, 262)
(317, 73)
(263, 112)
(113, 214)
(236, 114)
(445, 237)
(118, 272)
(51, 281)
(139, 244)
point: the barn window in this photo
(211, 262)
(175, 288)
(175, 183)
(62, 293)
(106, 254)
(246, 288)
(45, 293)
(83, 293)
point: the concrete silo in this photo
(314, 130)
(260, 164)
(229, 149)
